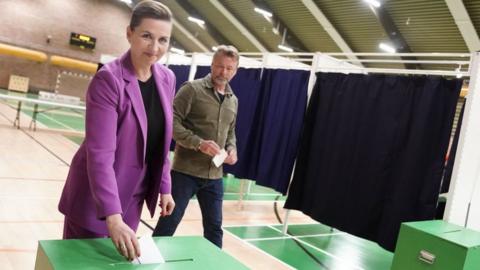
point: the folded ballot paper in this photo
(149, 251)
(218, 159)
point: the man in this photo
(204, 114)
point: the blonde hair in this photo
(227, 50)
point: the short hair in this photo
(227, 50)
(149, 9)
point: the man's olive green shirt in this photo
(198, 114)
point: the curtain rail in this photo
(459, 55)
(452, 62)
(397, 71)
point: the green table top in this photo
(183, 252)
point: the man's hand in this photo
(167, 204)
(209, 147)
(231, 158)
(123, 237)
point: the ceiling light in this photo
(387, 48)
(285, 48)
(374, 3)
(275, 31)
(263, 12)
(282, 45)
(269, 19)
(196, 20)
(128, 2)
(177, 50)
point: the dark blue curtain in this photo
(202, 71)
(181, 73)
(372, 152)
(271, 108)
(272, 142)
(246, 84)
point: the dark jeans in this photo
(210, 197)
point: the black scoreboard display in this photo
(82, 41)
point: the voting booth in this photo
(181, 252)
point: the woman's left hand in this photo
(167, 204)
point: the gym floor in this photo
(33, 172)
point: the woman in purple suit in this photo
(124, 158)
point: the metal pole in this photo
(466, 170)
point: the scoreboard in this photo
(82, 41)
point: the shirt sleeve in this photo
(181, 108)
(231, 137)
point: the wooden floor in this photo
(33, 167)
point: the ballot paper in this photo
(218, 159)
(149, 251)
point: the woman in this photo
(123, 160)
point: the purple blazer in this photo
(106, 174)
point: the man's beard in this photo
(220, 80)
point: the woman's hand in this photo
(167, 204)
(123, 237)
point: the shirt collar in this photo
(207, 80)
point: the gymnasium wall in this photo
(28, 23)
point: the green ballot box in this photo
(436, 245)
(182, 252)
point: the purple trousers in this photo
(73, 231)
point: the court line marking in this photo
(50, 118)
(58, 122)
(30, 221)
(270, 224)
(224, 218)
(341, 261)
(288, 236)
(320, 235)
(325, 252)
(17, 250)
(262, 251)
(59, 111)
(252, 194)
(285, 236)
(16, 197)
(336, 232)
(37, 141)
(266, 238)
(7, 178)
(251, 199)
(13, 112)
